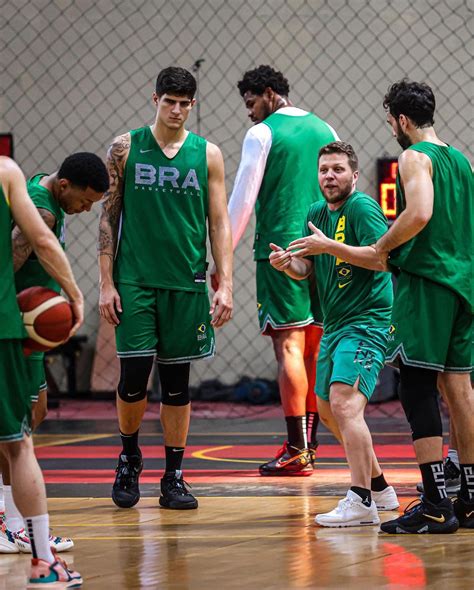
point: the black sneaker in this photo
(312, 448)
(464, 512)
(125, 491)
(289, 461)
(452, 476)
(175, 493)
(424, 517)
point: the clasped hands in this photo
(311, 245)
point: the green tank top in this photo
(443, 251)
(32, 273)
(350, 295)
(162, 240)
(11, 326)
(290, 182)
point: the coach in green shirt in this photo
(356, 306)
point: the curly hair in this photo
(415, 100)
(257, 80)
(84, 169)
(340, 147)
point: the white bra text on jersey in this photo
(147, 174)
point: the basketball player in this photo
(81, 181)
(356, 305)
(431, 245)
(16, 383)
(278, 174)
(166, 184)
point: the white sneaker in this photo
(386, 499)
(350, 511)
(7, 541)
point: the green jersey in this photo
(350, 295)
(32, 272)
(11, 325)
(442, 251)
(162, 242)
(290, 182)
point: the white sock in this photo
(2, 499)
(12, 514)
(37, 528)
(453, 455)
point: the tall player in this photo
(278, 175)
(431, 245)
(80, 182)
(15, 380)
(166, 184)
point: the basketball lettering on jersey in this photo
(162, 242)
(165, 177)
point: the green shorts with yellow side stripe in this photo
(174, 325)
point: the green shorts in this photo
(351, 353)
(17, 388)
(36, 363)
(282, 302)
(431, 328)
(174, 325)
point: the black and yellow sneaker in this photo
(452, 477)
(175, 492)
(289, 461)
(125, 491)
(464, 512)
(424, 517)
(312, 448)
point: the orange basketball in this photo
(47, 317)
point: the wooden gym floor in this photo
(249, 533)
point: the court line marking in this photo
(223, 434)
(203, 454)
(71, 440)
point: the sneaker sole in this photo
(177, 505)
(59, 548)
(6, 547)
(301, 473)
(351, 523)
(56, 585)
(125, 504)
(426, 529)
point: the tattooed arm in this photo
(22, 248)
(109, 299)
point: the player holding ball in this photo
(80, 182)
(15, 379)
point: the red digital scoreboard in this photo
(6, 144)
(386, 186)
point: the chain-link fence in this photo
(75, 74)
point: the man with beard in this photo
(356, 304)
(431, 245)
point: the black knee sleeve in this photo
(419, 397)
(174, 381)
(134, 374)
